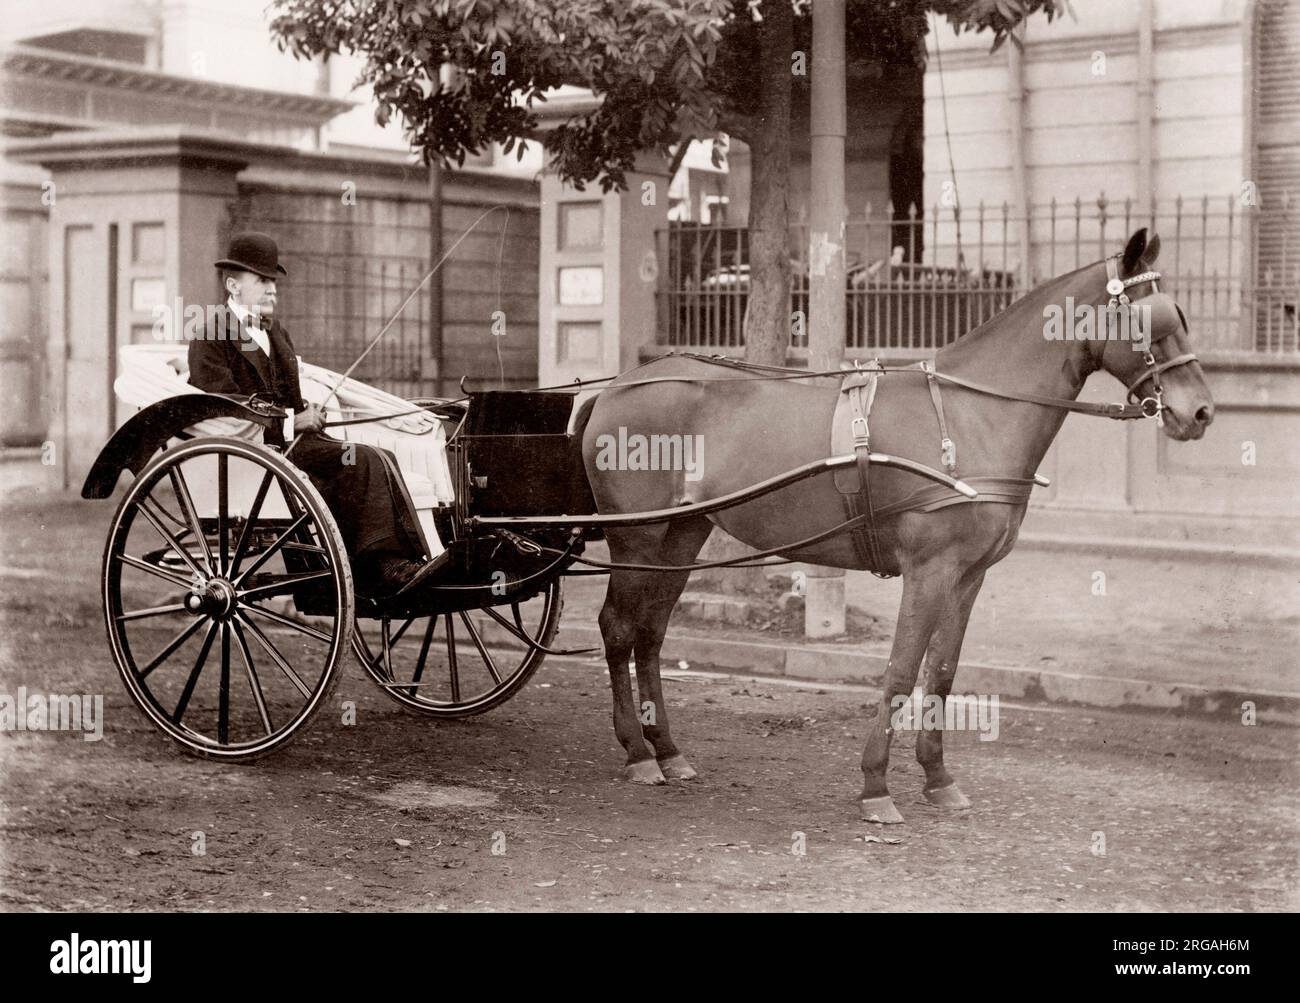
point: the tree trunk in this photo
(767, 315)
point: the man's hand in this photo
(310, 420)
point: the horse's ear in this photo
(1153, 250)
(1133, 251)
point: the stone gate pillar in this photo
(138, 217)
(598, 271)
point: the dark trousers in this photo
(369, 507)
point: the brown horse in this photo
(746, 428)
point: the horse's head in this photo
(1158, 367)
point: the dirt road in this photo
(398, 813)
(522, 808)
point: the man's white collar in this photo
(244, 314)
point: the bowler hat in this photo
(253, 252)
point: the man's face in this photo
(253, 292)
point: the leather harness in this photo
(850, 428)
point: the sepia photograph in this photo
(650, 456)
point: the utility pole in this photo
(824, 600)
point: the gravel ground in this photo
(523, 808)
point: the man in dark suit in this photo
(244, 350)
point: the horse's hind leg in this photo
(681, 545)
(618, 627)
(940, 671)
(927, 589)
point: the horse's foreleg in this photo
(926, 591)
(940, 671)
(619, 628)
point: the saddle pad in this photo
(862, 385)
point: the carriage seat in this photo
(153, 372)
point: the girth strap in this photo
(859, 392)
(947, 447)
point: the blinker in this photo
(1164, 317)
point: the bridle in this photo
(1152, 407)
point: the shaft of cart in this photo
(723, 501)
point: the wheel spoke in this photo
(296, 509)
(374, 661)
(188, 692)
(386, 647)
(141, 614)
(520, 633)
(187, 505)
(246, 531)
(483, 652)
(424, 654)
(453, 668)
(306, 548)
(254, 683)
(285, 621)
(403, 629)
(176, 521)
(270, 551)
(175, 643)
(166, 534)
(282, 584)
(153, 569)
(507, 664)
(276, 657)
(223, 689)
(223, 523)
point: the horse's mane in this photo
(1034, 300)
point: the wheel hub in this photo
(215, 599)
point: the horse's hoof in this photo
(645, 772)
(677, 768)
(880, 810)
(947, 797)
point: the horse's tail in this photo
(579, 467)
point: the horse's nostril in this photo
(1205, 414)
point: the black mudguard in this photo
(132, 445)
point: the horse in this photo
(747, 426)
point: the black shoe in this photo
(425, 571)
(388, 576)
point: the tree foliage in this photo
(663, 70)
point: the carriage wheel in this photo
(456, 664)
(210, 549)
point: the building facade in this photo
(138, 136)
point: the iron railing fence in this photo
(344, 300)
(349, 271)
(917, 283)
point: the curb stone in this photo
(832, 663)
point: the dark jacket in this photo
(227, 361)
(363, 491)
